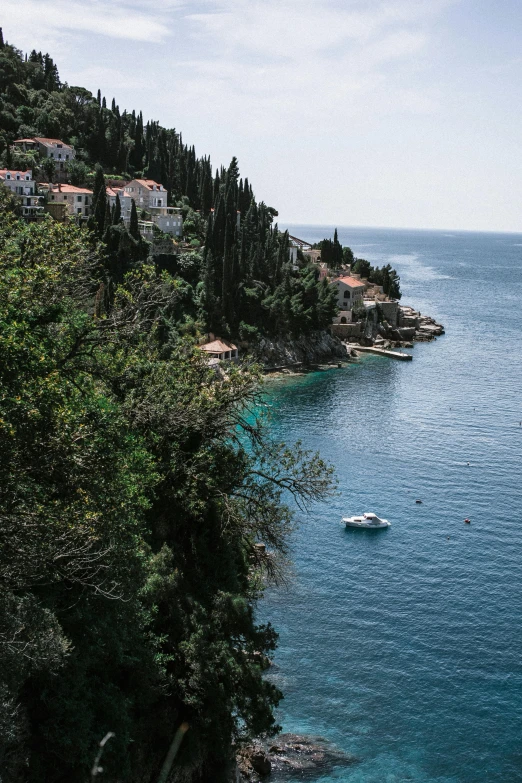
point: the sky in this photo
(398, 113)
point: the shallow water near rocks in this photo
(403, 646)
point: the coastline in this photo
(321, 351)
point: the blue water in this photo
(404, 647)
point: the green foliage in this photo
(77, 172)
(134, 484)
(384, 276)
(332, 252)
(362, 267)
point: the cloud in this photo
(113, 19)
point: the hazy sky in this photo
(350, 112)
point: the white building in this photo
(151, 197)
(146, 193)
(22, 184)
(168, 219)
(350, 292)
(58, 150)
(111, 195)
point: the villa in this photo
(78, 200)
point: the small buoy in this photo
(467, 463)
(467, 521)
(418, 501)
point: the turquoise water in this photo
(404, 647)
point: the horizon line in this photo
(404, 228)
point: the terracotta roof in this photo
(70, 189)
(3, 172)
(20, 141)
(113, 191)
(218, 346)
(49, 141)
(351, 281)
(149, 183)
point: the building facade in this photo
(78, 200)
(22, 185)
(146, 193)
(151, 197)
(350, 292)
(56, 149)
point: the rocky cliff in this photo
(315, 348)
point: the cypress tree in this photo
(133, 228)
(117, 212)
(99, 199)
(1, 39)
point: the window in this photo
(79, 210)
(66, 157)
(65, 198)
(78, 198)
(346, 294)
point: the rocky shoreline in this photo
(316, 348)
(289, 757)
(321, 349)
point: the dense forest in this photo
(143, 504)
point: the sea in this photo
(403, 647)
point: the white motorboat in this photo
(367, 521)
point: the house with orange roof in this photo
(112, 192)
(78, 200)
(151, 197)
(56, 149)
(350, 291)
(146, 193)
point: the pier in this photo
(403, 357)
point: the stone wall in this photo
(346, 331)
(390, 311)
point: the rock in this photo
(318, 347)
(294, 757)
(261, 763)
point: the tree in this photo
(98, 215)
(134, 485)
(133, 227)
(116, 218)
(48, 167)
(77, 172)
(362, 267)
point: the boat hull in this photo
(367, 525)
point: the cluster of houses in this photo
(62, 200)
(151, 199)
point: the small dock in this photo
(403, 357)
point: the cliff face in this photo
(318, 347)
